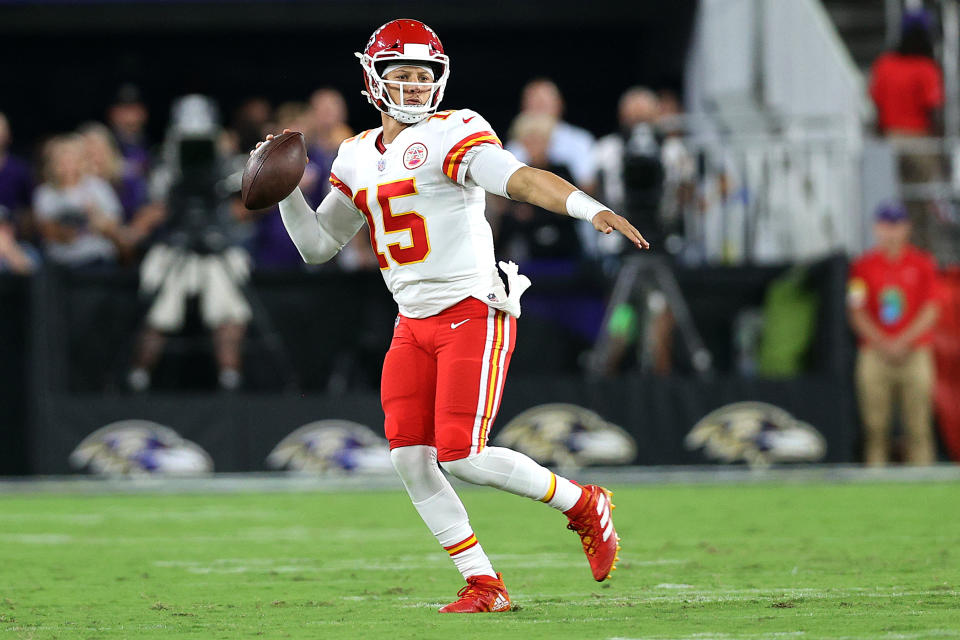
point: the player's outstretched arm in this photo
(319, 235)
(551, 192)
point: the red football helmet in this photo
(398, 42)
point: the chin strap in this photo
(406, 118)
(399, 116)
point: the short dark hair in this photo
(916, 41)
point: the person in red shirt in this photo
(906, 85)
(893, 309)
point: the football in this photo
(274, 171)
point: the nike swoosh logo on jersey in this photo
(466, 120)
(454, 325)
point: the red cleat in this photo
(591, 517)
(481, 595)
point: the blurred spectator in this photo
(79, 215)
(527, 232)
(15, 257)
(679, 176)
(127, 118)
(250, 122)
(893, 309)
(325, 127)
(569, 146)
(271, 246)
(16, 186)
(16, 181)
(906, 85)
(103, 160)
(671, 111)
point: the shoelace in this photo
(469, 589)
(589, 542)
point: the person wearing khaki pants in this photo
(893, 309)
(909, 382)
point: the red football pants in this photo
(443, 378)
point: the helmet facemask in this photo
(380, 97)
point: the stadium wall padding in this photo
(69, 339)
(239, 431)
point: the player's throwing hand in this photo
(607, 221)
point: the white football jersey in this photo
(424, 213)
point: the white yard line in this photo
(396, 563)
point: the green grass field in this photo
(757, 561)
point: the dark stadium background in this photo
(62, 62)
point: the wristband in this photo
(582, 206)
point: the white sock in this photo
(441, 508)
(456, 536)
(514, 472)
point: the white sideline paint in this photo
(288, 483)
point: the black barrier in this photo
(239, 431)
(336, 328)
(14, 387)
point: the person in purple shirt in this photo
(269, 244)
(325, 125)
(127, 118)
(16, 180)
(16, 188)
(272, 248)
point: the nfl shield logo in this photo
(381, 164)
(492, 297)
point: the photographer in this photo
(78, 214)
(631, 171)
(196, 255)
(635, 166)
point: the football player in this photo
(419, 183)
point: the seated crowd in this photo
(96, 197)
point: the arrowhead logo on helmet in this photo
(400, 41)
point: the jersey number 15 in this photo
(419, 247)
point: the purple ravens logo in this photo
(332, 447)
(135, 447)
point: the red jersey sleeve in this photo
(466, 131)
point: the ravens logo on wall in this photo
(567, 436)
(332, 446)
(756, 433)
(132, 447)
